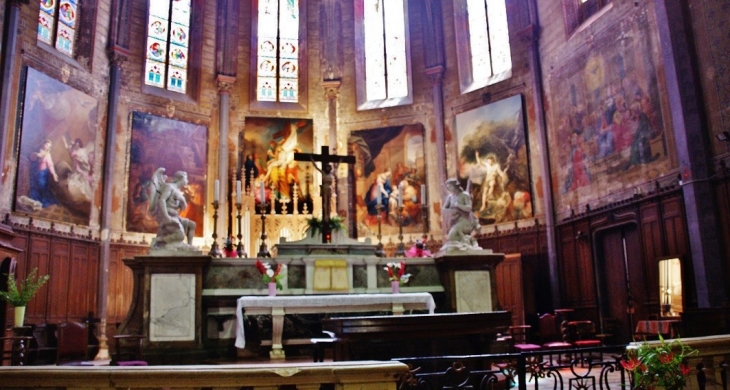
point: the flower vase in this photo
(395, 287)
(19, 316)
(272, 289)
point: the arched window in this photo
(483, 46)
(382, 53)
(58, 24)
(167, 47)
(279, 55)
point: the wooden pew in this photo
(388, 337)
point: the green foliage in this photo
(21, 295)
(315, 225)
(663, 364)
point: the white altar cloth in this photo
(307, 304)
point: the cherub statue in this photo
(166, 202)
(460, 220)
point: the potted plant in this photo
(19, 296)
(272, 277)
(397, 275)
(658, 365)
(314, 225)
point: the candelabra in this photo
(239, 248)
(424, 216)
(401, 249)
(215, 251)
(379, 251)
(263, 249)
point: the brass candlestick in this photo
(379, 251)
(263, 249)
(215, 251)
(401, 249)
(424, 216)
(239, 248)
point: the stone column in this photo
(436, 76)
(225, 83)
(693, 150)
(10, 59)
(531, 37)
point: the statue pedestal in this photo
(166, 307)
(469, 279)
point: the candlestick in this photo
(263, 249)
(379, 251)
(423, 194)
(238, 191)
(239, 248)
(217, 191)
(214, 250)
(401, 249)
(263, 192)
(400, 196)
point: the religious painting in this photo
(56, 176)
(493, 161)
(158, 142)
(269, 167)
(390, 178)
(607, 132)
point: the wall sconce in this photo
(581, 236)
(724, 136)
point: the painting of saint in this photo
(390, 177)
(269, 147)
(608, 133)
(175, 145)
(57, 156)
(493, 163)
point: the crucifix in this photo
(326, 158)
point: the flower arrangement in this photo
(20, 296)
(397, 272)
(662, 364)
(269, 274)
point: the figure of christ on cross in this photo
(326, 158)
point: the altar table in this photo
(278, 306)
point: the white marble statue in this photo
(166, 203)
(461, 222)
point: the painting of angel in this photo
(390, 177)
(177, 146)
(56, 176)
(493, 161)
(269, 147)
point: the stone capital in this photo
(225, 83)
(435, 74)
(117, 55)
(331, 88)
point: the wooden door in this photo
(508, 275)
(618, 254)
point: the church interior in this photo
(320, 140)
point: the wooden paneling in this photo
(60, 283)
(120, 280)
(510, 292)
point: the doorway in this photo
(620, 275)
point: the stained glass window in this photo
(168, 35)
(386, 70)
(485, 42)
(57, 24)
(277, 77)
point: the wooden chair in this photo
(322, 344)
(73, 344)
(128, 350)
(521, 338)
(550, 335)
(15, 350)
(583, 335)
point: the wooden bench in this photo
(388, 337)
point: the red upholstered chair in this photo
(583, 335)
(550, 335)
(521, 338)
(15, 350)
(73, 340)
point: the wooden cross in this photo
(326, 158)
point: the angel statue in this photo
(166, 203)
(460, 219)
